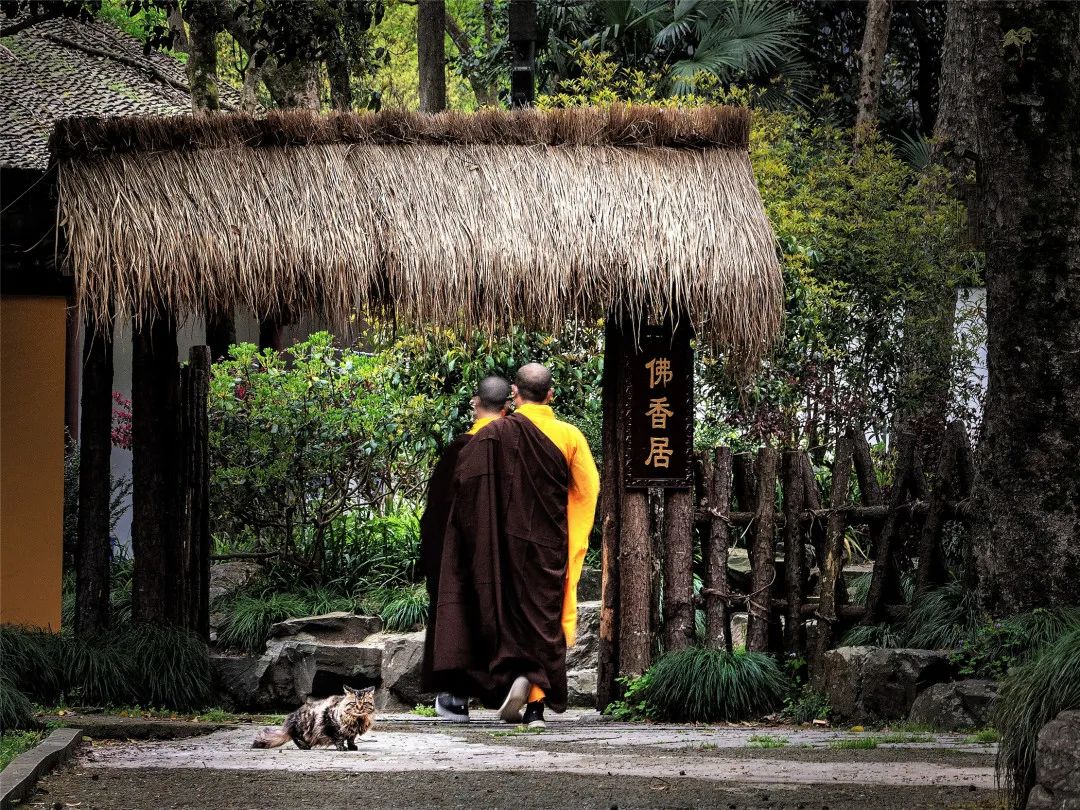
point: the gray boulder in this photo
(227, 578)
(1057, 765)
(956, 706)
(871, 683)
(341, 627)
(581, 688)
(590, 586)
(403, 656)
(236, 679)
(584, 652)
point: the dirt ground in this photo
(576, 763)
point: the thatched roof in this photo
(484, 219)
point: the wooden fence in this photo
(773, 500)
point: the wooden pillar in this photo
(762, 553)
(794, 556)
(431, 54)
(522, 34)
(221, 333)
(194, 491)
(715, 550)
(607, 664)
(884, 578)
(154, 525)
(92, 550)
(635, 584)
(678, 569)
(834, 547)
(931, 571)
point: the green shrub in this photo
(250, 616)
(400, 609)
(1000, 645)
(707, 686)
(634, 704)
(1032, 694)
(16, 712)
(13, 743)
(806, 706)
(943, 618)
(30, 660)
(98, 670)
(169, 667)
(873, 635)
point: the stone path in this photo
(580, 761)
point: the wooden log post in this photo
(834, 548)
(794, 553)
(869, 488)
(931, 571)
(883, 579)
(635, 584)
(678, 569)
(762, 553)
(92, 550)
(812, 502)
(717, 478)
(194, 490)
(607, 663)
(744, 476)
(154, 525)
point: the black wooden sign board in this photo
(659, 411)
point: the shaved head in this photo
(491, 395)
(533, 382)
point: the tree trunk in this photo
(635, 584)
(715, 550)
(678, 569)
(610, 499)
(154, 525)
(293, 85)
(794, 551)
(92, 551)
(339, 75)
(832, 566)
(762, 553)
(1028, 485)
(202, 58)
(220, 333)
(195, 493)
(431, 54)
(872, 61)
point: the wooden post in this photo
(794, 556)
(762, 553)
(678, 569)
(194, 491)
(745, 481)
(931, 570)
(869, 489)
(95, 489)
(522, 35)
(715, 551)
(834, 547)
(154, 525)
(882, 578)
(610, 509)
(812, 501)
(635, 584)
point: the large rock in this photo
(590, 586)
(341, 627)
(587, 646)
(871, 683)
(1057, 765)
(581, 688)
(956, 706)
(228, 578)
(403, 657)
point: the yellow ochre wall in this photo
(32, 331)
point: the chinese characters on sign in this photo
(659, 410)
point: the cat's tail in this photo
(271, 738)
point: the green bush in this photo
(707, 686)
(997, 646)
(873, 635)
(249, 618)
(15, 709)
(169, 667)
(1032, 695)
(943, 618)
(401, 609)
(806, 706)
(30, 661)
(98, 670)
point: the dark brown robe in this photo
(504, 567)
(432, 530)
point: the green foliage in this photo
(13, 743)
(706, 685)
(998, 646)
(986, 736)
(16, 712)
(29, 661)
(634, 704)
(1032, 695)
(423, 711)
(873, 635)
(249, 618)
(97, 670)
(944, 618)
(170, 667)
(401, 609)
(855, 744)
(766, 741)
(807, 705)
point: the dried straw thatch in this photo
(481, 219)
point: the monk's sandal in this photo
(515, 701)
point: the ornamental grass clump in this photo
(708, 686)
(169, 667)
(401, 609)
(250, 617)
(1032, 695)
(15, 709)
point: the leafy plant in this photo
(99, 670)
(1032, 695)
(30, 661)
(943, 619)
(806, 706)
(766, 741)
(997, 646)
(422, 710)
(634, 704)
(13, 743)
(707, 685)
(169, 667)
(15, 709)
(250, 617)
(873, 635)
(400, 609)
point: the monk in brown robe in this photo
(488, 403)
(524, 499)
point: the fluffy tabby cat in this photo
(337, 720)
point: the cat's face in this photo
(358, 702)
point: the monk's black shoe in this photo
(534, 715)
(453, 708)
(516, 698)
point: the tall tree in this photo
(431, 54)
(1021, 68)
(872, 60)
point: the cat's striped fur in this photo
(337, 720)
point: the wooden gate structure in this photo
(773, 499)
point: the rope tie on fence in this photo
(747, 598)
